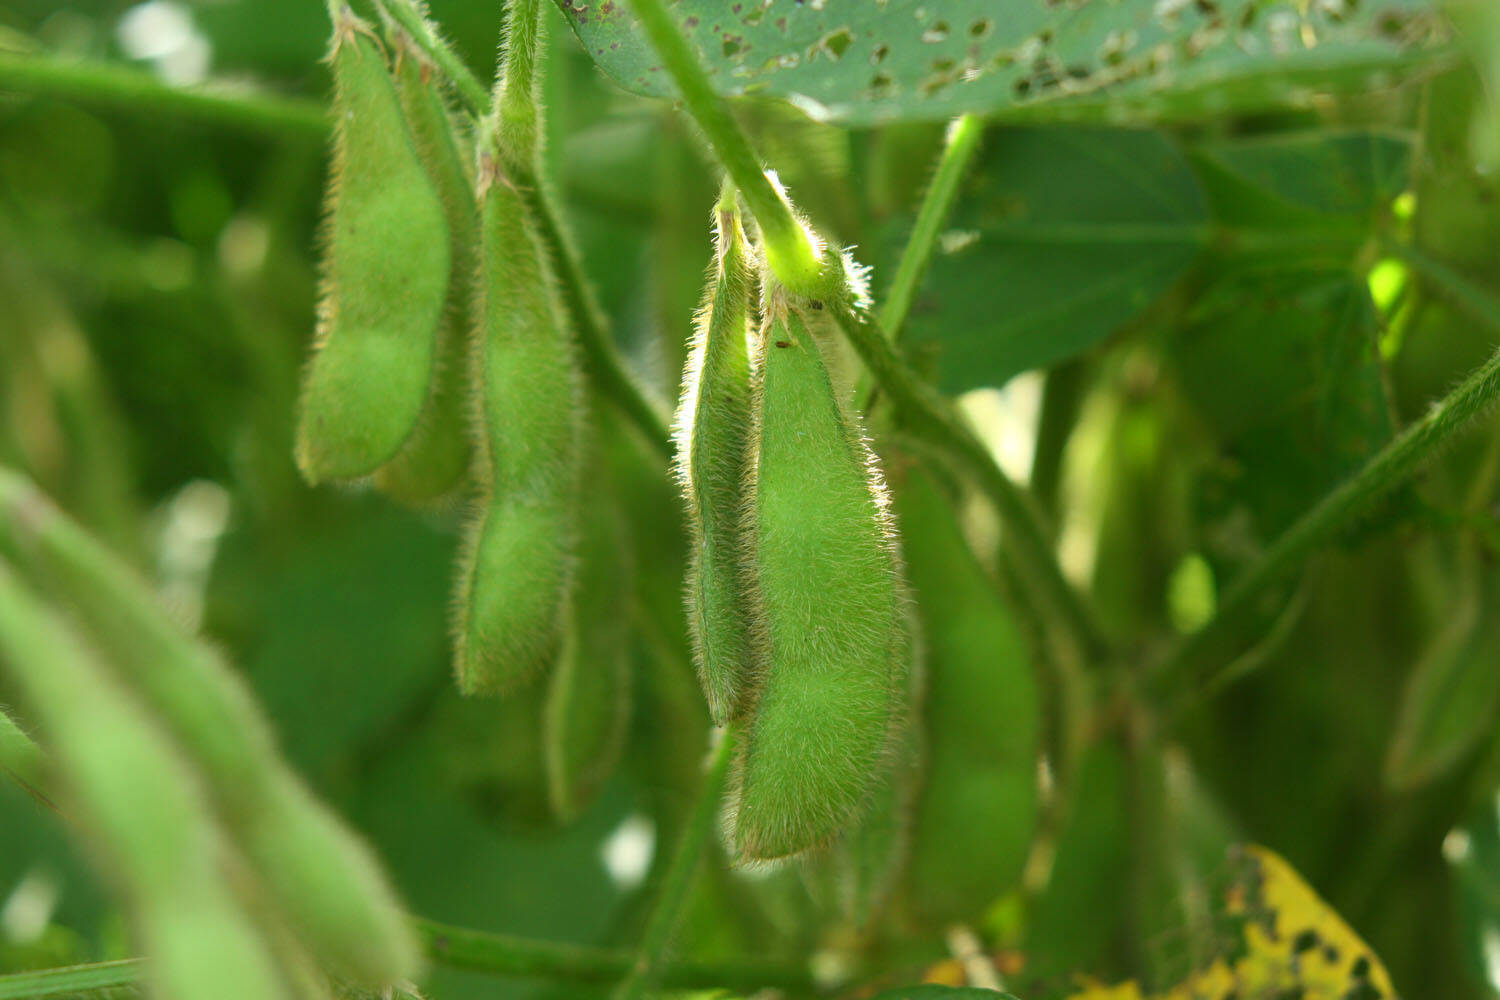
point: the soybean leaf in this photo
(1283, 369)
(1136, 60)
(1061, 236)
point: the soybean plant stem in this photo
(22, 759)
(462, 948)
(1070, 625)
(959, 146)
(104, 85)
(644, 973)
(1392, 466)
(458, 947)
(412, 15)
(789, 248)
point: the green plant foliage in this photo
(1132, 60)
(1178, 349)
(1083, 227)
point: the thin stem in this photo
(788, 246)
(645, 971)
(959, 147)
(462, 948)
(23, 760)
(517, 110)
(502, 954)
(1392, 466)
(120, 87)
(1070, 625)
(412, 15)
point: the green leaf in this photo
(1283, 369)
(1062, 236)
(1134, 60)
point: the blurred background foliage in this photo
(1228, 333)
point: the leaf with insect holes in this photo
(859, 63)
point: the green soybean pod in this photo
(871, 858)
(976, 813)
(434, 460)
(712, 429)
(826, 598)
(587, 711)
(322, 878)
(140, 806)
(517, 560)
(385, 279)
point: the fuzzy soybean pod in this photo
(432, 463)
(141, 809)
(385, 277)
(587, 710)
(823, 576)
(517, 560)
(712, 429)
(321, 878)
(976, 812)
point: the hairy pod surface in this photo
(712, 429)
(870, 859)
(385, 280)
(517, 562)
(434, 460)
(142, 807)
(977, 810)
(321, 876)
(823, 573)
(587, 711)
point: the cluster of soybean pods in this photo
(444, 368)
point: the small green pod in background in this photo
(141, 808)
(977, 810)
(712, 429)
(385, 278)
(823, 577)
(587, 711)
(518, 557)
(322, 878)
(434, 460)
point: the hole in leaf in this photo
(937, 33)
(879, 54)
(981, 28)
(838, 42)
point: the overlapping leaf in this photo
(1137, 60)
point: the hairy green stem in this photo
(124, 88)
(959, 147)
(517, 109)
(412, 16)
(1070, 626)
(788, 246)
(1392, 466)
(22, 759)
(645, 971)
